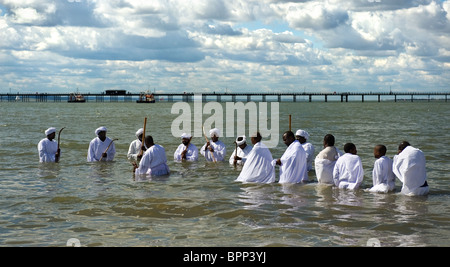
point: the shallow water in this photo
(200, 204)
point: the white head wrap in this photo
(186, 136)
(243, 141)
(50, 130)
(139, 132)
(215, 132)
(100, 129)
(302, 133)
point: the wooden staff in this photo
(212, 153)
(106, 150)
(143, 139)
(59, 137)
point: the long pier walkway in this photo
(233, 97)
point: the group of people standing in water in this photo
(332, 166)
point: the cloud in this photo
(254, 45)
(221, 29)
(52, 13)
(314, 16)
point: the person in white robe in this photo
(303, 136)
(326, 159)
(48, 148)
(135, 147)
(293, 168)
(215, 150)
(409, 167)
(154, 161)
(348, 172)
(243, 149)
(98, 146)
(258, 167)
(383, 177)
(186, 150)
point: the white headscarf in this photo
(243, 141)
(302, 133)
(139, 132)
(215, 132)
(100, 129)
(50, 130)
(186, 136)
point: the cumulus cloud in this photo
(236, 44)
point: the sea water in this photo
(200, 204)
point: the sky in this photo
(224, 46)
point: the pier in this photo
(234, 97)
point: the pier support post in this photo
(310, 98)
(379, 98)
(362, 98)
(326, 98)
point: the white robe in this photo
(153, 162)
(191, 154)
(324, 166)
(219, 151)
(348, 172)
(242, 153)
(134, 149)
(47, 150)
(97, 147)
(293, 167)
(409, 167)
(258, 166)
(309, 149)
(382, 176)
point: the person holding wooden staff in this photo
(239, 155)
(186, 150)
(153, 163)
(48, 148)
(136, 146)
(101, 148)
(216, 148)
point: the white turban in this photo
(186, 136)
(302, 133)
(243, 141)
(139, 132)
(100, 129)
(50, 130)
(215, 132)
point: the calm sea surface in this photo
(200, 204)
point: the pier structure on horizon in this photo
(233, 97)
